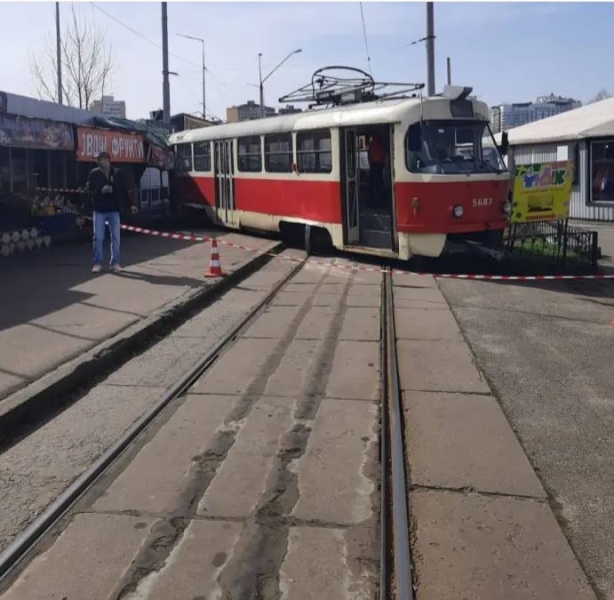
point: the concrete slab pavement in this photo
(316, 567)
(107, 544)
(54, 309)
(548, 347)
(480, 519)
(485, 548)
(233, 460)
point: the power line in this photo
(139, 34)
(364, 31)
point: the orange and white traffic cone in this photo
(215, 268)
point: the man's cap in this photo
(102, 155)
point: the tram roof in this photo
(369, 113)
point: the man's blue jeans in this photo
(100, 218)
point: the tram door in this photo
(224, 181)
(351, 185)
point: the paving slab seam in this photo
(285, 520)
(550, 500)
(316, 396)
(66, 383)
(449, 392)
(469, 490)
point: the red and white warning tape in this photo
(59, 190)
(182, 236)
(353, 267)
(513, 277)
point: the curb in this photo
(58, 389)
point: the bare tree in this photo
(602, 95)
(87, 63)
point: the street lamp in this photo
(271, 73)
(196, 39)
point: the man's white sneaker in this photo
(96, 269)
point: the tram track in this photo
(20, 548)
(274, 519)
(396, 567)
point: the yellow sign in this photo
(542, 192)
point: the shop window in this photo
(313, 152)
(250, 154)
(278, 153)
(602, 171)
(184, 158)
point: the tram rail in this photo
(396, 568)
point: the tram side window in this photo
(202, 157)
(314, 152)
(184, 158)
(250, 154)
(278, 153)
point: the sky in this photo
(508, 52)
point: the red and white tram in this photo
(443, 180)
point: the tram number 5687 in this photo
(482, 202)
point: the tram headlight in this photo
(458, 211)
(507, 208)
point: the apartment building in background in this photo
(107, 105)
(246, 112)
(289, 110)
(507, 116)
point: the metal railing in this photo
(556, 241)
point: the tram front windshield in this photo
(452, 147)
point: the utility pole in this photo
(449, 71)
(166, 87)
(261, 85)
(430, 49)
(204, 88)
(59, 50)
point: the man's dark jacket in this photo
(112, 202)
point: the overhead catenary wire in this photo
(364, 31)
(149, 41)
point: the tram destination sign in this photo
(122, 147)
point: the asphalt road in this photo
(548, 351)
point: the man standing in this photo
(107, 188)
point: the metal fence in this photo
(555, 241)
